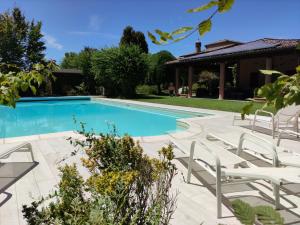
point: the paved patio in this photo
(196, 203)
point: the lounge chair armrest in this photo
(265, 112)
(288, 132)
(209, 150)
(258, 141)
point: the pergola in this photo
(266, 49)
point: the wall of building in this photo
(248, 69)
(285, 63)
(249, 76)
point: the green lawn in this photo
(205, 103)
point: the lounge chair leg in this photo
(253, 125)
(276, 195)
(219, 196)
(191, 161)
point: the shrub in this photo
(249, 215)
(209, 80)
(81, 89)
(195, 87)
(146, 89)
(119, 70)
(125, 187)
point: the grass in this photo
(205, 103)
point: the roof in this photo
(222, 41)
(253, 47)
(69, 71)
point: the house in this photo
(248, 57)
(66, 80)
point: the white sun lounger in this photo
(243, 141)
(5, 152)
(222, 164)
(285, 118)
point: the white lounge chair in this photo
(5, 152)
(223, 165)
(285, 118)
(243, 141)
(288, 132)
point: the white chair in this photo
(5, 152)
(260, 146)
(285, 118)
(224, 166)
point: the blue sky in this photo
(69, 25)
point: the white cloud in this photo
(52, 42)
(95, 22)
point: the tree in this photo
(158, 69)
(132, 37)
(70, 61)
(83, 62)
(85, 65)
(35, 47)
(119, 70)
(20, 40)
(163, 37)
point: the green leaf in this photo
(244, 212)
(204, 26)
(180, 38)
(33, 89)
(246, 110)
(181, 30)
(268, 215)
(298, 67)
(203, 7)
(163, 35)
(225, 5)
(270, 72)
(153, 38)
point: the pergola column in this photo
(222, 81)
(268, 78)
(176, 80)
(190, 80)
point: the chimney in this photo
(198, 46)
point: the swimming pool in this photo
(41, 117)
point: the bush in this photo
(81, 89)
(146, 89)
(119, 70)
(195, 87)
(126, 187)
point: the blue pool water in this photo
(40, 117)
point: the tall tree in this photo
(119, 70)
(132, 37)
(158, 70)
(83, 62)
(35, 46)
(20, 40)
(70, 61)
